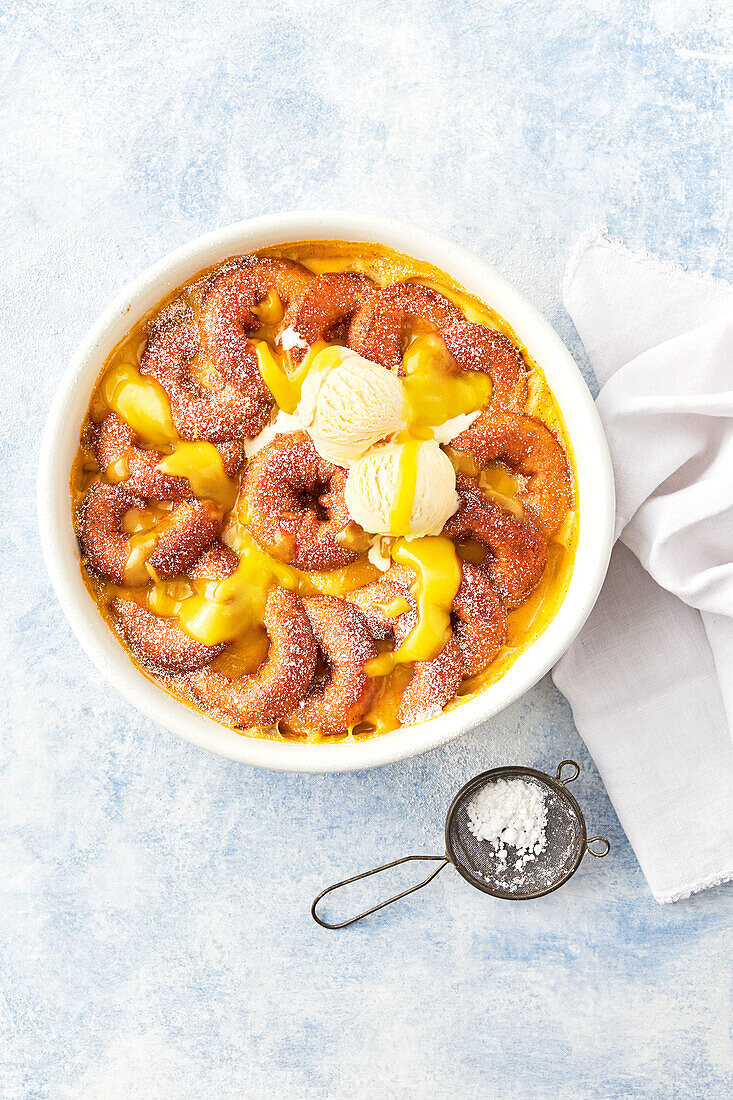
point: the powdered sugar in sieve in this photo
(517, 834)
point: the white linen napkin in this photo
(650, 677)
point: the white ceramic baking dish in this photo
(61, 437)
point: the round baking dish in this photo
(61, 437)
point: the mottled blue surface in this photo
(155, 939)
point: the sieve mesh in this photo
(478, 861)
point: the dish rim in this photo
(61, 437)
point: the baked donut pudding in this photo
(322, 492)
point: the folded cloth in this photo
(650, 677)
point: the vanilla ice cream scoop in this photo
(377, 484)
(348, 404)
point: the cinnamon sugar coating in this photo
(226, 318)
(525, 445)
(280, 682)
(518, 547)
(180, 537)
(116, 442)
(295, 503)
(344, 695)
(478, 348)
(328, 304)
(159, 643)
(105, 546)
(217, 415)
(479, 619)
(479, 630)
(379, 330)
(215, 564)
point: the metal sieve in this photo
(566, 842)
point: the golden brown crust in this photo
(180, 538)
(525, 445)
(112, 440)
(183, 536)
(478, 348)
(378, 330)
(226, 318)
(105, 546)
(281, 682)
(199, 413)
(284, 486)
(159, 643)
(226, 310)
(518, 546)
(215, 564)
(432, 685)
(335, 705)
(116, 442)
(327, 305)
(232, 456)
(479, 620)
(479, 631)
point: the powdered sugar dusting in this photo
(290, 339)
(511, 815)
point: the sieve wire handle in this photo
(568, 778)
(443, 860)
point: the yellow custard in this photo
(230, 611)
(140, 402)
(284, 386)
(435, 393)
(270, 310)
(404, 500)
(437, 576)
(143, 404)
(218, 611)
(202, 465)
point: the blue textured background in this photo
(155, 939)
